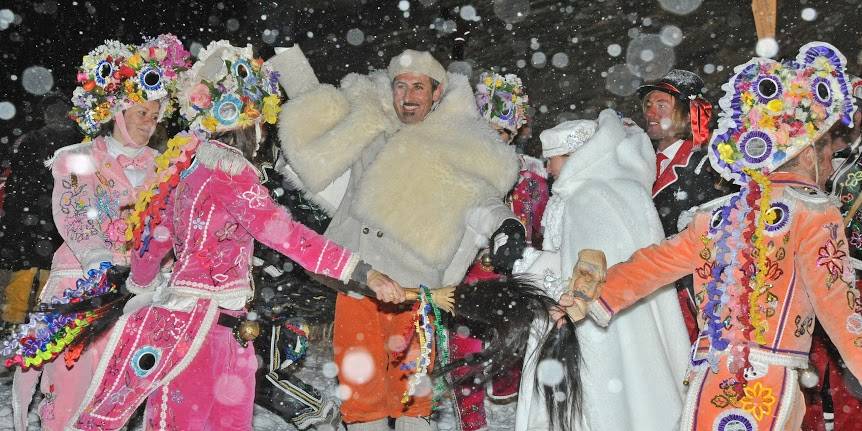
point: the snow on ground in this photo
(501, 416)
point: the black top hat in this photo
(679, 83)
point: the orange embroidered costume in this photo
(766, 261)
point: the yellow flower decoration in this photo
(725, 151)
(766, 122)
(747, 98)
(488, 81)
(136, 97)
(271, 108)
(810, 129)
(210, 123)
(101, 112)
(244, 120)
(758, 400)
(135, 61)
(775, 105)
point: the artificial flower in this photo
(135, 61)
(725, 151)
(210, 123)
(271, 108)
(200, 96)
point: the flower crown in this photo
(115, 75)
(227, 88)
(772, 110)
(501, 100)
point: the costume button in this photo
(380, 234)
(365, 230)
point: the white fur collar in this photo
(217, 155)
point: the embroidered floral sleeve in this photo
(85, 209)
(271, 224)
(828, 278)
(648, 269)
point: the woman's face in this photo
(555, 164)
(141, 120)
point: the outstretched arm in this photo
(648, 269)
(271, 224)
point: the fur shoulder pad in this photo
(325, 130)
(218, 156)
(81, 148)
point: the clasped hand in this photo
(385, 288)
(588, 277)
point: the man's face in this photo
(413, 97)
(658, 108)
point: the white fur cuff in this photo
(600, 312)
(295, 73)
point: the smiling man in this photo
(427, 177)
(677, 119)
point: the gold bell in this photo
(486, 261)
(248, 330)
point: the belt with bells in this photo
(243, 330)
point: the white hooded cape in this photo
(632, 371)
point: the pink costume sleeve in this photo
(828, 278)
(78, 211)
(146, 272)
(272, 225)
(648, 269)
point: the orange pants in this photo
(369, 341)
(22, 286)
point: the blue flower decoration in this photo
(227, 109)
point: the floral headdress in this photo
(501, 100)
(227, 88)
(115, 75)
(771, 112)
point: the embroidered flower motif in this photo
(758, 400)
(115, 230)
(197, 223)
(832, 258)
(854, 324)
(255, 197)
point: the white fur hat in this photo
(421, 62)
(566, 137)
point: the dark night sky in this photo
(716, 36)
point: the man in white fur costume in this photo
(632, 375)
(426, 177)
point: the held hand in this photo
(386, 289)
(588, 275)
(576, 309)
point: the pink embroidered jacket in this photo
(211, 221)
(90, 201)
